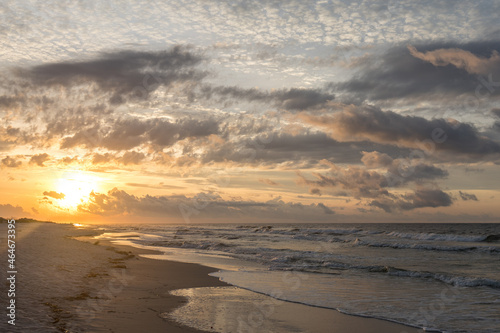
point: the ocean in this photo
(441, 277)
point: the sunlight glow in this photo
(76, 187)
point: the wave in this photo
(334, 267)
(318, 262)
(443, 237)
(457, 281)
(492, 238)
(428, 247)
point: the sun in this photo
(76, 187)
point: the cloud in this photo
(127, 158)
(399, 74)
(161, 185)
(69, 160)
(268, 181)
(132, 157)
(420, 198)
(360, 182)
(363, 183)
(242, 139)
(9, 137)
(164, 133)
(496, 112)
(70, 119)
(496, 124)
(375, 159)
(9, 102)
(426, 198)
(128, 133)
(54, 194)
(293, 147)
(459, 58)
(474, 170)
(325, 208)
(11, 162)
(102, 158)
(39, 159)
(10, 211)
(122, 74)
(354, 123)
(202, 205)
(315, 191)
(467, 196)
(406, 172)
(292, 99)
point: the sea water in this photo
(443, 277)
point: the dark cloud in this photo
(268, 181)
(292, 99)
(159, 186)
(426, 198)
(467, 196)
(39, 159)
(9, 137)
(359, 182)
(496, 124)
(54, 194)
(474, 170)
(70, 120)
(376, 159)
(125, 134)
(315, 191)
(387, 127)
(400, 74)
(129, 157)
(9, 211)
(300, 99)
(302, 148)
(8, 102)
(69, 160)
(132, 157)
(203, 205)
(401, 172)
(362, 182)
(87, 137)
(165, 133)
(325, 208)
(122, 74)
(420, 198)
(11, 162)
(102, 158)
(496, 112)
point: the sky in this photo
(250, 112)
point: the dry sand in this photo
(68, 285)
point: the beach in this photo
(265, 166)
(69, 282)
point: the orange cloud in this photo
(459, 58)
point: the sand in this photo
(69, 282)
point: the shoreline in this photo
(345, 321)
(149, 288)
(105, 287)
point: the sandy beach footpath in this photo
(70, 285)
